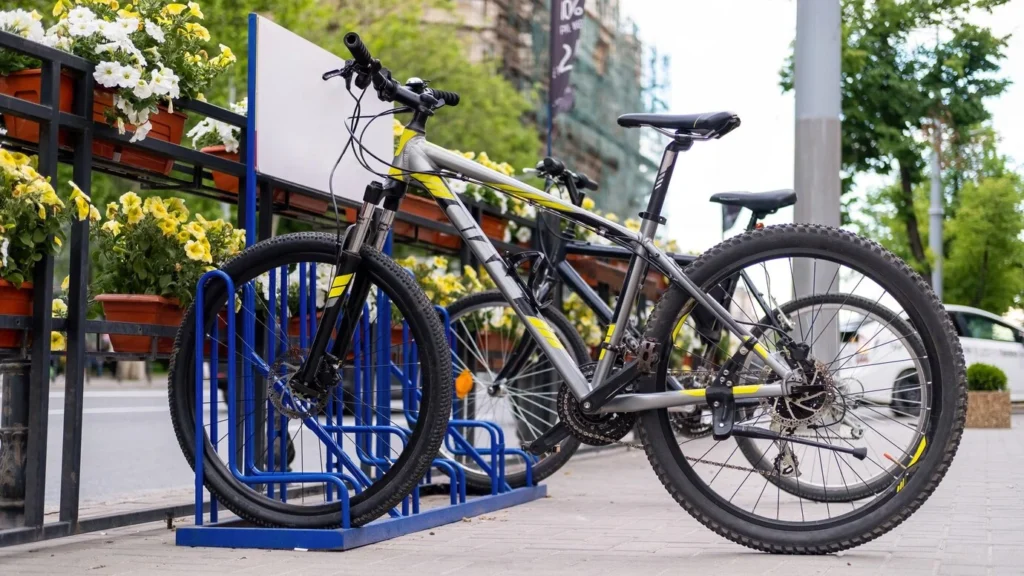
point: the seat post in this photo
(652, 215)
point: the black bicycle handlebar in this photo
(555, 168)
(582, 181)
(387, 89)
(359, 51)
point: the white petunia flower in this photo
(154, 31)
(3, 251)
(127, 25)
(523, 234)
(107, 74)
(83, 28)
(142, 89)
(128, 77)
(141, 131)
(81, 14)
(112, 31)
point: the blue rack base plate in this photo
(233, 534)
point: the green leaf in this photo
(165, 281)
(17, 279)
(38, 236)
(26, 238)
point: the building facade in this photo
(614, 74)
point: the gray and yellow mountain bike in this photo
(778, 378)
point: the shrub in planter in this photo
(988, 401)
(146, 54)
(33, 221)
(149, 257)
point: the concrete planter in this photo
(988, 409)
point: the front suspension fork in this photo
(350, 287)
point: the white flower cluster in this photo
(224, 132)
(23, 23)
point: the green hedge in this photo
(985, 378)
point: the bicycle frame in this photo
(418, 161)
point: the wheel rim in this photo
(785, 514)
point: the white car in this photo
(881, 368)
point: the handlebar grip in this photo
(450, 98)
(358, 49)
(584, 182)
(552, 166)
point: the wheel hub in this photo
(809, 401)
(290, 402)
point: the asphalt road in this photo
(128, 445)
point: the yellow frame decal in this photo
(545, 331)
(338, 285)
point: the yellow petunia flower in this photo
(168, 226)
(94, 214)
(65, 283)
(196, 230)
(83, 206)
(112, 210)
(59, 307)
(58, 241)
(588, 204)
(42, 212)
(173, 9)
(184, 236)
(158, 209)
(135, 215)
(57, 341)
(194, 250)
(193, 9)
(129, 200)
(113, 227)
(199, 31)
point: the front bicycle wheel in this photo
(381, 465)
(907, 455)
(522, 401)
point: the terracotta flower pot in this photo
(988, 409)
(294, 325)
(494, 226)
(167, 126)
(14, 302)
(228, 183)
(141, 309)
(427, 209)
(26, 85)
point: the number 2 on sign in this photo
(564, 66)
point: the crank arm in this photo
(547, 441)
(766, 434)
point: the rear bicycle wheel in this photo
(713, 480)
(389, 469)
(524, 403)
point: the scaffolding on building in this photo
(615, 73)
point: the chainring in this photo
(691, 425)
(593, 430)
(301, 406)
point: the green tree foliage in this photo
(985, 264)
(897, 82)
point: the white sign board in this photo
(301, 119)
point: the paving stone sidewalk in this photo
(607, 514)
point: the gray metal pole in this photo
(936, 212)
(818, 82)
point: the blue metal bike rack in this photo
(370, 424)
